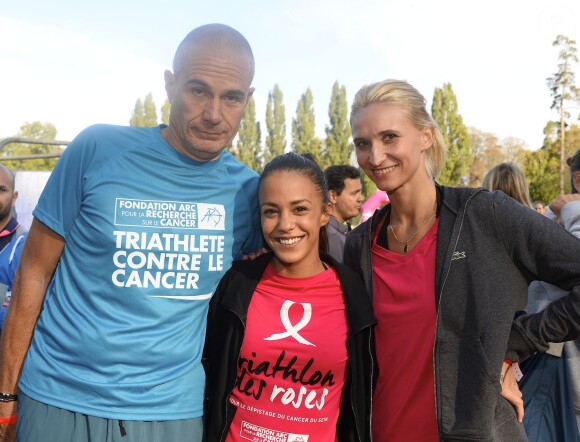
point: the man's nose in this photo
(213, 111)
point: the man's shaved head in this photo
(9, 174)
(209, 88)
(7, 195)
(221, 38)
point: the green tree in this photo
(165, 109)
(542, 174)
(459, 155)
(487, 152)
(303, 127)
(275, 125)
(37, 131)
(542, 165)
(573, 144)
(144, 113)
(248, 149)
(563, 89)
(138, 117)
(338, 146)
(515, 151)
(149, 111)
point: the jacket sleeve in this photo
(544, 251)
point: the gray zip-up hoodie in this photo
(489, 248)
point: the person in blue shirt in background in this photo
(135, 227)
(12, 236)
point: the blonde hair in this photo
(403, 95)
(510, 179)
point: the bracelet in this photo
(8, 397)
(8, 420)
(508, 361)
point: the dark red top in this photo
(404, 305)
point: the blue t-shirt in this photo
(148, 234)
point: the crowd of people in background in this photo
(165, 292)
(551, 386)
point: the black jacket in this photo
(225, 334)
(489, 248)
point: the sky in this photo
(74, 63)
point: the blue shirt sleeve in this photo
(60, 201)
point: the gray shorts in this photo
(38, 422)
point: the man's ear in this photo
(576, 181)
(250, 94)
(169, 84)
(14, 197)
(332, 196)
(325, 215)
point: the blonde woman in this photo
(445, 268)
(510, 179)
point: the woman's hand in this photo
(510, 390)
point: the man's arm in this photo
(570, 216)
(39, 258)
(560, 201)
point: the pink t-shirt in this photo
(404, 305)
(293, 361)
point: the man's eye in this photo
(233, 99)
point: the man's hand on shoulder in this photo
(558, 203)
(255, 254)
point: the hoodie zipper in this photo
(371, 386)
(352, 405)
(439, 313)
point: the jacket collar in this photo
(247, 275)
(452, 209)
(10, 227)
(333, 222)
(245, 278)
(454, 198)
(7, 233)
(451, 203)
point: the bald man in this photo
(131, 235)
(12, 236)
